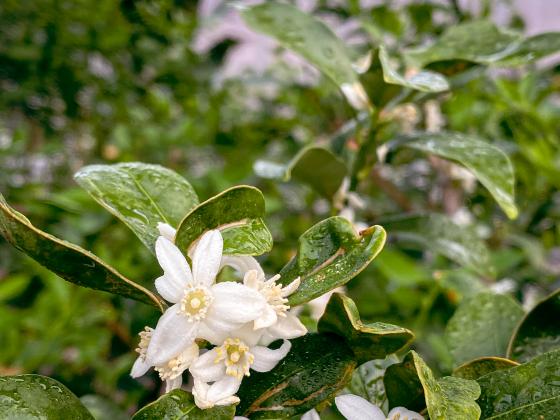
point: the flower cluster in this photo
(239, 321)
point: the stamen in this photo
(195, 303)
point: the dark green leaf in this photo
(528, 391)
(315, 166)
(317, 366)
(179, 405)
(424, 81)
(237, 213)
(67, 260)
(329, 255)
(367, 341)
(38, 397)
(411, 384)
(538, 332)
(488, 163)
(310, 38)
(441, 235)
(482, 326)
(140, 194)
(482, 366)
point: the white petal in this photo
(172, 291)
(266, 359)
(175, 266)
(241, 418)
(290, 288)
(139, 368)
(207, 257)
(223, 389)
(205, 369)
(236, 303)
(201, 393)
(173, 333)
(167, 231)
(208, 331)
(353, 407)
(401, 413)
(311, 415)
(267, 318)
(242, 264)
(174, 383)
(288, 327)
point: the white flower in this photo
(199, 304)
(219, 393)
(167, 231)
(318, 305)
(172, 371)
(353, 407)
(225, 365)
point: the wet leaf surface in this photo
(367, 341)
(139, 194)
(69, 261)
(476, 368)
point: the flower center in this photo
(236, 356)
(145, 337)
(195, 303)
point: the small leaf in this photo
(424, 81)
(482, 326)
(411, 384)
(538, 332)
(477, 41)
(315, 369)
(69, 261)
(179, 405)
(488, 163)
(528, 391)
(38, 397)
(443, 236)
(315, 166)
(329, 255)
(367, 341)
(237, 213)
(313, 40)
(482, 366)
(140, 194)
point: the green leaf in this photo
(476, 368)
(533, 48)
(478, 42)
(441, 235)
(69, 261)
(139, 194)
(102, 409)
(488, 163)
(424, 81)
(538, 332)
(313, 40)
(367, 341)
(482, 326)
(528, 391)
(237, 213)
(38, 397)
(411, 384)
(329, 255)
(315, 166)
(316, 368)
(179, 405)
(367, 381)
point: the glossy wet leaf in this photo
(69, 261)
(488, 163)
(482, 326)
(315, 166)
(237, 213)
(317, 367)
(476, 368)
(476, 41)
(441, 235)
(411, 384)
(528, 391)
(367, 341)
(367, 381)
(424, 81)
(140, 194)
(102, 409)
(312, 39)
(38, 397)
(179, 405)
(538, 332)
(329, 255)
